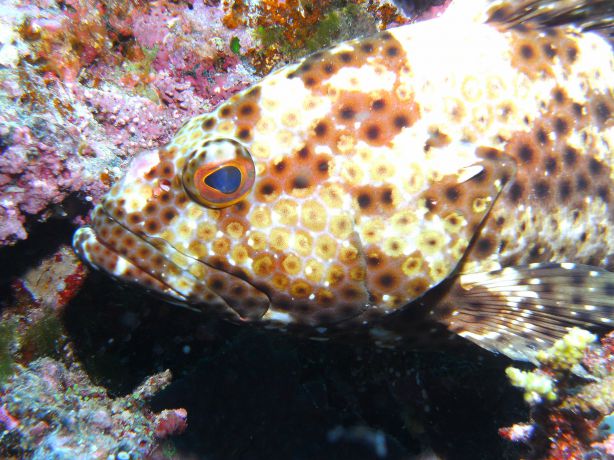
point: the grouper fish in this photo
(456, 173)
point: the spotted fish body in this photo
(452, 154)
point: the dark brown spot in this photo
(570, 156)
(565, 189)
(595, 166)
(559, 95)
(527, 51)
(604, 193)
(452, 194)
(386, 196)
(603, 112)
(581, 182)
(181, 200)
(516, 192)
(329, 68)
(267, 189)
(430, 203)
(321, 129)
(373, 260)
(166, 170)
(484, 245)
(367, 48)
(572, 53)
(401, 121)
(243, 134)
(347, 113)
(373, 132)
(323, 166)
(209, 123)
(541, 136)
(481, 177)
(550, 164)
(134, 218)
(150, 208)
(303, 153)
(152, 226)
(577, 109)
(364, 200)
(378, 104)
(254, 92)
(169, 215)
(310, 81)
(216, 284)
(549, 50)
(281, 166)
(561, 126)
(300, 182)
(246, 109)
(225, 111)
(525, 152)
(387, 280)
(350, 293)
(346, 56)
(392, 51)
(542, 189)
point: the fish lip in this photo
(89, 234)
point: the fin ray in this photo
(517, 310)
(586, 15)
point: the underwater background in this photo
(90, 368)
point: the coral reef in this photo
(571, 395)
(51, 411)
(84, 84)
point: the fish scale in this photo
(341, 190)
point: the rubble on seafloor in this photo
(571, 395)
(51, 411)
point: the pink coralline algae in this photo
(51, 411)
(577, 422)
(85, 84)
(171, 422)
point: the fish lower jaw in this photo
(101, 256)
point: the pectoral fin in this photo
(518, 310)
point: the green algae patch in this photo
(8, 342)
(44, 337)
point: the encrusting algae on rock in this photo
(455, 173)
(571, 395)
(562, 357)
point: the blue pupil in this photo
(226, 180)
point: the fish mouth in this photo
(110, 246)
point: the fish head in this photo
(296, 200)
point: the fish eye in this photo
(219, 174)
